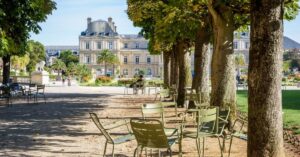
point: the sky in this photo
(66, 23)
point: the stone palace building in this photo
(131, 51)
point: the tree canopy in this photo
(68, 57)
(36, 53)
(18, 18)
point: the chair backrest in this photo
(149, 133)
(164, 92)
(150, 110)
(100, 127)
(208, 119)
(40, 88)
(223, 119)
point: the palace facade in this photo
(131, 51)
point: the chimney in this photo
(109, 19)
(89, 20)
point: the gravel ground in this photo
(62, 126)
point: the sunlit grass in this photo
(291, 107)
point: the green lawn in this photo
(291, 107)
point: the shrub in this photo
(103, 79)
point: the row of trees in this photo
(175, 27)
(69, 64)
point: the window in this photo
(125, 60)
(137, 45)
(87, 45)
(110, 45)
(87, 59)
(235, 45)
(99, 45)
(126, 45)
(125, 72)
(149, 71)
(137, 59)
(247, 45)
(148, 59)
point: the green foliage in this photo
(19, 63)
(71, 68)
(107, 57)
(295, 63)
(240, 60)
(83, 72)
(58, 65)
(36, 52)
(286, 66)
(67, 57)
(20, 17)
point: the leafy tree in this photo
(295, 63)
(107, 58)
(67, 57)
(36, 52)
(19, 63)
(239, 61)
(286, 66)
(83, 72)
(71, 69)
(59, 65)
(17, 19)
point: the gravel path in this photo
(62, 126)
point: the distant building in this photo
(52, 52)
(131, 50)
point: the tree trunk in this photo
(166, 57)
(265, 72)
(6, 69)
(174, 68)
(223, 81)
(201, 64)
(105, 69)
(185, 75)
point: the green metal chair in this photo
(164, 92)
(237, 132)
(210, 123)
(171, 104)
(150, 134)
(105, 131)
(156, 110)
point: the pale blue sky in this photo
(66, 23)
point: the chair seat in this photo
(240, 136)
(171, 141)
(123, 139)
(170, 131)
(193, 134)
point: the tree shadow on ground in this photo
(33, 127)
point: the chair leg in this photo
(45, 98)
(231, 138)
(170, 151)
(105, 149)
(221, 149)
(203, 146)
(198, 146)
(135, 151)
(113, 150)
